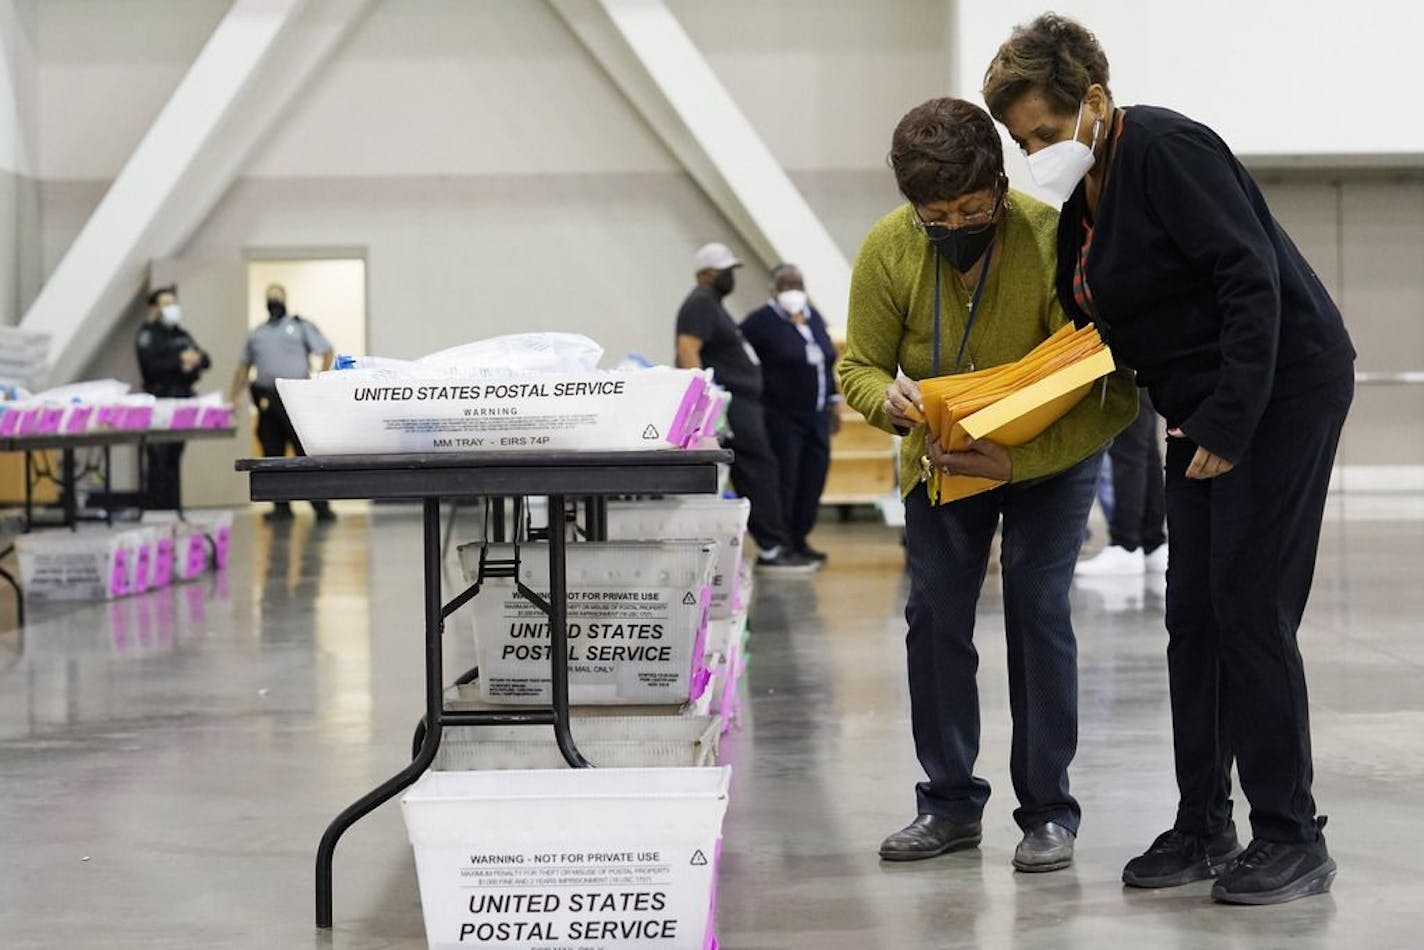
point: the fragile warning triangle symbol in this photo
(688, 599)
(699, 860)
(651, 432)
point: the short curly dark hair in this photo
(1053, 56)
(945, 148)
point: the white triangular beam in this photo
(257, 59)
(650, 57)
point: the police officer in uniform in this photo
(170, 361)
(281, 348)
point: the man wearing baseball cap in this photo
(708, 336)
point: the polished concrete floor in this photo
(167, 763)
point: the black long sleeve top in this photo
(160, 361)
(1195, 284)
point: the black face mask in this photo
(725, 283)
(276, 310)
(963, 250)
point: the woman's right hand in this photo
(902, 403)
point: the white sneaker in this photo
(1117, 594)
(1156, 562)
(1113, 561)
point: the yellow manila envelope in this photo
(1018, 417)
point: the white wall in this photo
(1307, 78)
(440, 87)
(501, 87)
(19, 226)
(17, 87)
(824, 83)
(455, 259)
(1365, 238)
(479, 151)
(500, 181)
(105, 70)
(99, 73)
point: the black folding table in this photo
(69, 475)
(67, 444)
(431, 477)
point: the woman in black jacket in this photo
(799, 391)
(1166, 243)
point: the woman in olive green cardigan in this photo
(965, 230)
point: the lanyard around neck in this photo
(973, 309)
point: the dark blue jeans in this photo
(948, 554)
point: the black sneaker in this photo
(785, 563)
(1177, 857)
(811, 554)
(279, 512)
(1273, 872)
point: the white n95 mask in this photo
(792, 301)
(170, 315)
(1058, 168)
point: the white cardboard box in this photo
(366, 411)
(77, 565)
(637, 614)
(683, 518)
(595, 859)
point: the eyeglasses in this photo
(975, 223)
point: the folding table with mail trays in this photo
(67, 479)
(19, 521)
(431, 477)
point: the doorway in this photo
(330, 292)
(327, 290)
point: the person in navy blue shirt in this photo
(799, 393)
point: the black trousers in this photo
(164, 470)
(802, 443)
(947, 549)
(1139, 506)
(755, 472)
(1241, 565)
(275, 433)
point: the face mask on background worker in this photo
(725, 283)
(170, 315)
(276, 310)
(792, 301)
(1058, 168)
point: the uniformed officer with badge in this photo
(281, 348)
(170, 361)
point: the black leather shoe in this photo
(929, 836)
(1178, 857)
(1273, 872)
(1049, 847)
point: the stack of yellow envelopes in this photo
(1010, 404)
